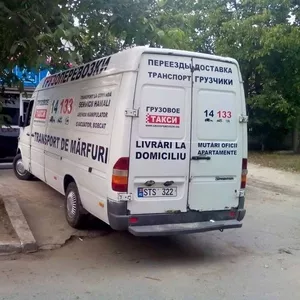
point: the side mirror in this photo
(21, 122)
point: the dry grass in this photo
(283, 161)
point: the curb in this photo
(5, 166)
(10, 248)
(27, 241)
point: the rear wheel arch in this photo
(67, 180)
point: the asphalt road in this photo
(259, 261)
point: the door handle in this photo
(201, 158)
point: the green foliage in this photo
(262, 36)
(112, 26)
(32, 31)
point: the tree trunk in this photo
(296, 135)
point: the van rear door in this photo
(186, 144)
(216, 136)
(159, 154)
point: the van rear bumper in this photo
(173, 223)
(181, 228)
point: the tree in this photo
(260, 34)
(282, 46)
(114, 26)
(33, 31)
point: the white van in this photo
(153, 141)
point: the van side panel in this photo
(40, 114)
(79, 125)
(121, 131)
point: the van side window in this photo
(25, 108)
(28, 114)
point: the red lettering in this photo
(164, 120)
(40, 114)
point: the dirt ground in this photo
(279, 160)
(7, 232)
(43, 209)
(260, 261)
(278, 181)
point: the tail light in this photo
(119, 180)
(133, 220)
(244, 173)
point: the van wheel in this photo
(19, 169)
(73, 208)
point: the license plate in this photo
(156, 192)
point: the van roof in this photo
(124, 61)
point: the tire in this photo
(19, 169)
(75, 214)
